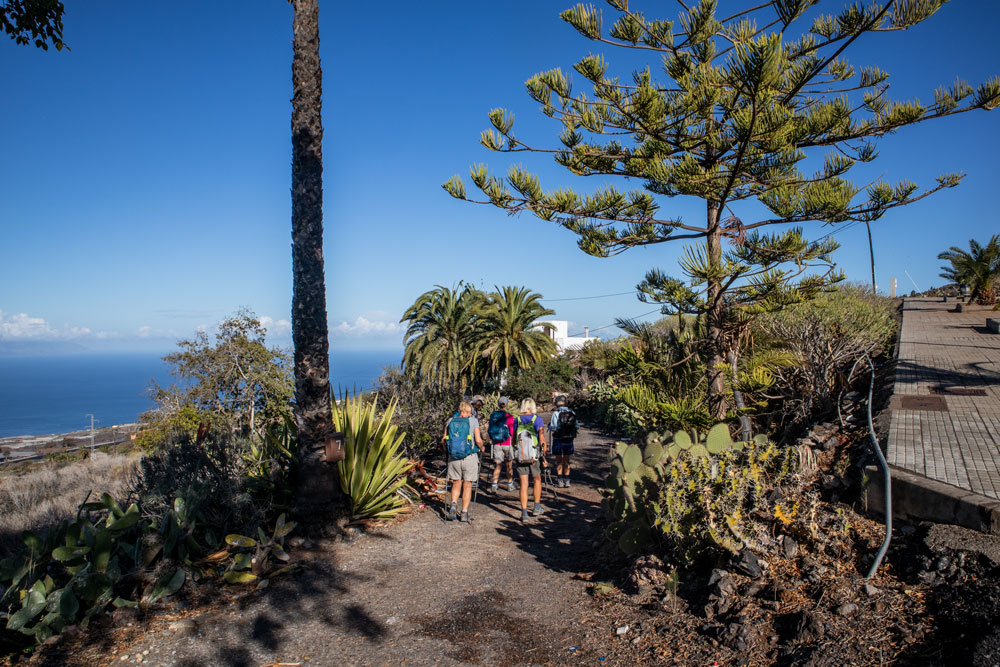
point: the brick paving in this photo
(957, 443)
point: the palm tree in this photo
(441, 334)
(979, 268)
(510, 336)
(309, 324)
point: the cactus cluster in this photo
(640, 492)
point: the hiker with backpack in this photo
(501, 433)
(529, 448)
(463, 444)
(562, 426)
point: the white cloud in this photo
(362, 326)
(275, 327)
(22, 326)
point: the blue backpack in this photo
(460, 443)
(499, 431)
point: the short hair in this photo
(465, 407)
(528, 406)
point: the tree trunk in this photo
(317, 482)
(715, 318)
(871, 254)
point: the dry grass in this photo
(48, 494)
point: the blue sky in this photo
(145, 173)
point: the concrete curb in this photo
(916, 497)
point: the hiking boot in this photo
(561, 483)
(538, 510)
(465, 517)
(524, 515)
(493, 488)
(566, 483)
(510, 485)
(452, 512)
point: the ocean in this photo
(42, 395)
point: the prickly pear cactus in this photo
(687, 487)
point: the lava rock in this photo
(723, 583)
(748, 564)
(736, 636)
(847, 610)
(789, 546)
(809, 627)
(124, 616)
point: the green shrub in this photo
(374, 468)
(827, 335)
(183, 500)
(553, 375)
(603, 407)
(421, 408)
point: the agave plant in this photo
(374, 469)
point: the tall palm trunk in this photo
(309, 324)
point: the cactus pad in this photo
(653, 453)
(682, 440)
(632, 458)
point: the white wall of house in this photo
(559, 332)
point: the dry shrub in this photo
(46, 495)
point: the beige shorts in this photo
(466, 469)
(502, 453)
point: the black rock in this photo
(736, 637)
(809, 628)
(723, 583)
(748, 564)
(789, 546)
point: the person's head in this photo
(502, 402)
(560, 401)
(528, 406)
(477, 401)
(465, 409)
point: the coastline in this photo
(25, 447)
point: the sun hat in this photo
(502, 401)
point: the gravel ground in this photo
(423, 591)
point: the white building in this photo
(558, 330)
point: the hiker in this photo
(463, 443)
(501, 432)
(529, 448)
(477, 406)
(562, 426)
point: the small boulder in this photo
(748, 564)
(789, 546)
(847, 610)
(809, 628)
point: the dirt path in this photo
(423, 592)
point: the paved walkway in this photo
(945, 422)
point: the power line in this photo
(608, 326)
(598, 296)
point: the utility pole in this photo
(92, 420)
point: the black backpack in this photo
(566, 428)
